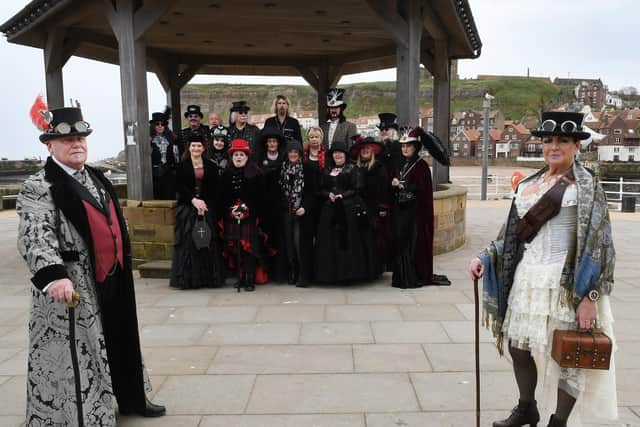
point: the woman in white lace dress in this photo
(558, 278)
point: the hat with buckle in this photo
(193, 109)
(58, 123)
(561, 123)
(239, 106)
(388, 120)
(335, 98)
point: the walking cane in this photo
(71, 304)
(477, 347)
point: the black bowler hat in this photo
(64, 122)
(561, 123)
(335, 98)
(239, 106)
(388, 120)
(339, 146)
(193, 109)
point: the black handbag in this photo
(201, 233)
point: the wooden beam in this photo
(432, 22)
(245, 60)
(187, 74)
(408, 66)
(149, 14)
(441, 106)
(135, 109)
(333, 74)
(309, 75)
(53, 50)
(394, 24)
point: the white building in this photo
(618, 153)
(614, 100)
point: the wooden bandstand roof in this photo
(266, 37)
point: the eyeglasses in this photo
(243, 113)
(568, 126)
(65, 128)
(159, 124)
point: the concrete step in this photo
(159, 269)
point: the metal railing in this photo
(617, 190)
(498, 187)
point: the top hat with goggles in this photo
(561, 123)
(63, 122)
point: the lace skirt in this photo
(536, 308)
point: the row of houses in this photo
(620, 134)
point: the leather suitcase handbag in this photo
(587, 349)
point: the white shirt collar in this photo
(67, 169)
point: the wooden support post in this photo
(441, 105)
(172, 82)
(54, 59)
(408, 64)
(326, 76)
(135, 105)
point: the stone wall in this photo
(150, 225)
(449, 205)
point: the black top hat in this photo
(65, 122)
(193, 109)
(239, 106)
(388, 120)
(271, 132)
(561, 123)
(159, 117)
(335, 98)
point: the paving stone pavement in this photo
(365, 355)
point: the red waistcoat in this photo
(107, 240)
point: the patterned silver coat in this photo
(58, 371)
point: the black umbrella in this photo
(436, 148)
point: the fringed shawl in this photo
(590, 267)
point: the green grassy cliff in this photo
(514, 96)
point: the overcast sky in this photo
(555, 38)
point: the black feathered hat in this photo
(561, 123)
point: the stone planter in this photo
(150, 224)
(449, 205)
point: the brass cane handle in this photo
(75, 298)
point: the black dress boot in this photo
(150, 410)
(293, 273)
(250, 283)
(526, 413)
(556, 422)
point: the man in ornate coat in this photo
(84, 347)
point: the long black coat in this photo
(55, 240)
(376, 195)
(341, 255)
(290, 128)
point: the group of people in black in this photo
(259, 205)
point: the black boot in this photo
(293, 273)
(250, 283)
(523, 414)
(556, 422)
